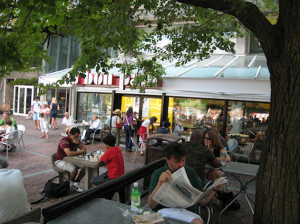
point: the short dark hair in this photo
(74, 130)
(166, 124)
(175, 149)
(37, 97)
(197, 136)
(110, 140)
(8, 122)
(153, 119)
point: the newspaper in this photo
(179, 193)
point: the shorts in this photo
(181, 214)
(36, 116)
(66, 166)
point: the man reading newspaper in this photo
(175, 156)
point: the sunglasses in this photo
(207, 138)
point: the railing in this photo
(120, 184)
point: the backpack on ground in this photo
(54, 190)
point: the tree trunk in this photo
(277, 186)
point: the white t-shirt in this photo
(114, 121)
(69, 121)
(9, 130)
(13, 197)
(36, 106)
(145, 123)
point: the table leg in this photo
(247, 199)
(89, 173)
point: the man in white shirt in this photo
(13, 197)
(68, 122)
(96, 124)
(35, 107)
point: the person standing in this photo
(13, 197)
(144, 132)
(44, 119)
(54, 107)
(35, 107)
(115, 121)
(128, 122)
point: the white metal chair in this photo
(21, 128)
(244, 153)
(13, 138)
(232, 146)
(95, 133)
(137, 148)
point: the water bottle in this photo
(136, 198)
(223, 157)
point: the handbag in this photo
(120, 125)
(131, 126)
(226, 198)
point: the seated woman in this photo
(213, 143)
(165, 129)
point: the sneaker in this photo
(50, 126)
(75, 186)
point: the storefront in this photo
(23, 97)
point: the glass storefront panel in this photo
(62, 97)
(247, 118)
(16, 95)
(130, 101)
(28, 99)
(90, 104)
(188, 113)
(21, 106)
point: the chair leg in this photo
(134, 155)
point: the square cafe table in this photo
(91, 168)
(237, 170)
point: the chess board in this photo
(90, 156)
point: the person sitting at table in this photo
(96, 124)
(68, 122)
(112, 159)
(7, 116)
(9, 129)
(213, 143)
(68, 147)
(175, 156)
(198, 155)
(165, 129)
(13, 197)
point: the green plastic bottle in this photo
(135, 198)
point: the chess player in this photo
(68, 146)
(68, 122)
(112, 159)
(175, 156)
(96, 124)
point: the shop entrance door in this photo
(144, 106)
(23, 96)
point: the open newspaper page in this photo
(179, 193)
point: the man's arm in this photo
(74, 153)
(164, 177)
(2, 122)
(210, 195)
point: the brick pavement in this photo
(34, 162)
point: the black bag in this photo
(54, 190)
(226, 198)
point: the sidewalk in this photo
(34, 162)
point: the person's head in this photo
(129, 111)
(6, 115)
(95, 117)
(117, 112)
(45, 104)
(109, 141)
(36, 98)
(211, 138)
(3, 163)
(67, 114)
(197, 136)
(8, 122)
(153, 119)
(74, 133)
(175, 155)
(166, 124)
(54, 100)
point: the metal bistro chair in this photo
(244, 153)
(232, 146)
(21, 129)
(13, 138)
(95, 133)
(137, 148)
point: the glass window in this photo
(90, 104)
(185, 114)
(247, 118)
(63, 53)
(75, 46)
(53, 54)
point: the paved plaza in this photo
(34, 162)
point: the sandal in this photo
(42, 136)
